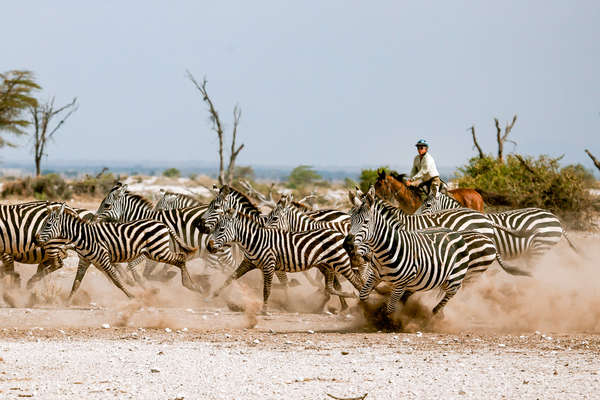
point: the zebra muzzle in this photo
(211, 246)
(349, 245)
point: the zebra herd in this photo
(438, 247)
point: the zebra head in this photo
(279, 217)
(437, 202)
(113, 204)
(51, 229)
(168, 201)
(361, 222)
(224, 232)
(215, 210)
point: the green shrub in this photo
(540, 183)
(301, 176)
(368, 177)
(172, 173)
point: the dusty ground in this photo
(501, 337)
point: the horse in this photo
(392, 186)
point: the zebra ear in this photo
(354, 200)
(370, 197)
(62, 209)
(225, 190)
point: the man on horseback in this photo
(424, 173)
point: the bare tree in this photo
(41, 120)
(501, 138)
(481, 154)
(596, 162)
(225, 175)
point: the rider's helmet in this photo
(422, 142)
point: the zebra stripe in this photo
(543, 227)
(272, 249)
(410, 261)
(103, 244)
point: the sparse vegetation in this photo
(533, 182)
(301, 176)
(172, 173)
(368, 177)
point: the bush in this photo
(540, 183)
(45, 187)
(368, 177)
(93, 186)
(172, 173)
(301, 176)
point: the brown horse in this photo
(392, 187)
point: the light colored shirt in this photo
(424, 168)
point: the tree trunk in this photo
(596, 162)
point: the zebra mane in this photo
(301, 206)
(180, 195)
(248, 207)
(386, 207)
(138, 198)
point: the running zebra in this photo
(18, 225)
(410, 261)
(544, 228)
(103, 244)
(272, 249)
(123, 206)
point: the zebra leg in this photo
(330, 280)
(177, 260)
(240, 271)
(123, 274)
(44, 268)
(371, 281)
(103, 263)
(132, 267)
(149, 268)
(282, 276)
(82, 268)
(9, 269)
(338, 286)
(405, 296)
(450, 292)
(268, 271)
(311, 280)
(397, 293)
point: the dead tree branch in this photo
(525, 164)
(41, 118)
(237, 113)
(481, 154)
(225, 176)
(501, 138)
(265, 201)
(596, 162)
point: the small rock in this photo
(184, 330)
(462, 392)
(501, 345)
(525, 382)
(154, 370)
(555, 372)
(345, 353)
(310, 331)
(105, 326)
(227, 335)
(419, 334)
(256, 341)
(168, 330)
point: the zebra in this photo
(121, 205)
(545, 229)
(18, 225)
(271, 249)
(106, 243)
(410, 261)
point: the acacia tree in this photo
(594, 160)
(41, 121)
(16, 88)
(225, 175)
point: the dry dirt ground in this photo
(501, 337)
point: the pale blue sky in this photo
(321, 83)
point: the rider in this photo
(424, 172)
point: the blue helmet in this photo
(422, 142)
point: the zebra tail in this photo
(575, 249)
(182, 246)
(510, 269)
